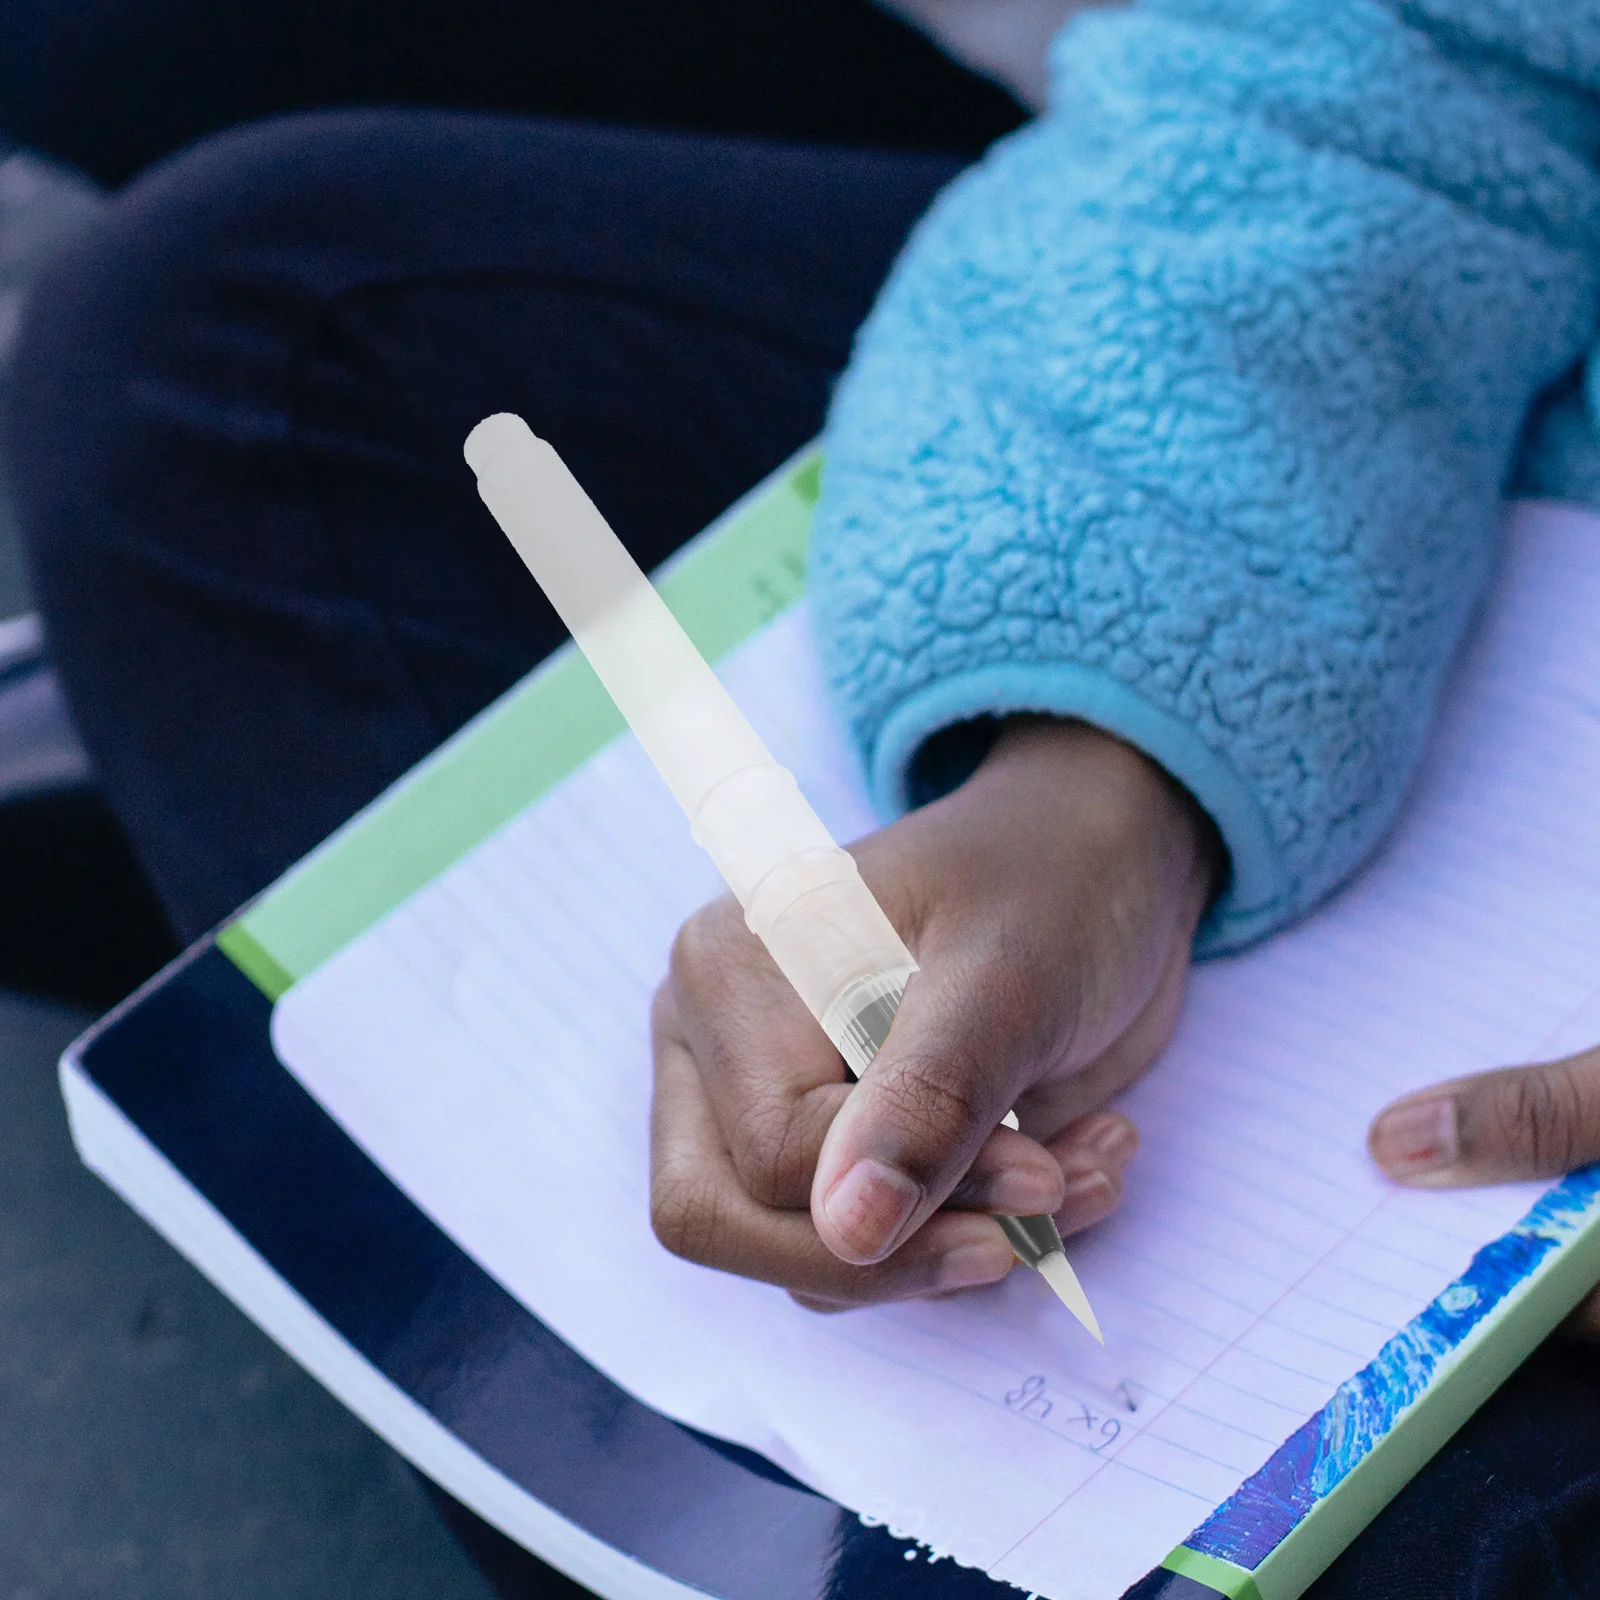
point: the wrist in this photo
(1103, 785)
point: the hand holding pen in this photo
(1050, 902)
(1051, 906)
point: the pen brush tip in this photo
(1057, 1271)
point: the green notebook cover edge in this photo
(256, 962)
(1236, 1583)
(729, 581)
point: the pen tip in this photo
(1057, 1271)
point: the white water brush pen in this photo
(802, 895)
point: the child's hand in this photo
(1050, 901)
(1494, 1127)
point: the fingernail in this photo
(1115, 1140)
(1023, 1192)
(1410, 1141)
(1088, 1198)
(969, 1265)
(868, 1206)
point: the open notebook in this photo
(462, 981)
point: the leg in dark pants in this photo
(239, 412)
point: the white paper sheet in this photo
(487, 1045)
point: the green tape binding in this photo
(1237, 1583)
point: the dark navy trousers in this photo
(239, 403)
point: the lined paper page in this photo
(487, 1044)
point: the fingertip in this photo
(862, 1214)
(1094, 1152)
(823, 1308)
(664, 1010)
(1012, 1174)
(1090, 1197)
(974, 1266)
(1102, 1139)
(976, 1253)
(1417, 1141)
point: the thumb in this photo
(909, 1131)
(1518, 1122)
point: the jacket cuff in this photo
(1259, 897)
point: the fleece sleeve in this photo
(1189, 410)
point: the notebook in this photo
(461, 979)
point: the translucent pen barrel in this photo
(802, 895)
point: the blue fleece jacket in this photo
(1189, 410)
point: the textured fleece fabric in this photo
(1190, 410)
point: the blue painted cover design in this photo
(1267, 1507)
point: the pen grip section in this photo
(858, 1022)
(803, 896)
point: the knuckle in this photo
(936, 1107)
(771, 1157)
(1536, 1115)
(700, 947)
(663, 1010)
(686, 1214)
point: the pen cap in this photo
(687, 722)
(553, 525)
